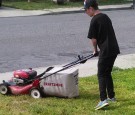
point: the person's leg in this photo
(105, 80)
(102, 84)
(109, 80)
(105, 66)
(102, 78)
(110, 87)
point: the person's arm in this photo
(94, 43)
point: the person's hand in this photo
(96, 53)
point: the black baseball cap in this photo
(90, 3)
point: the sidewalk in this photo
(11, 12)
(87, 69)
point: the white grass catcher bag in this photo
(61, 84)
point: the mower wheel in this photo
(35, 93)
(4, 89)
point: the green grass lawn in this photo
(124, 81)
(48, 4)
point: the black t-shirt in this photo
(102, 30)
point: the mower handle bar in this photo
(70, 65)
(80, 59)
(64, 67)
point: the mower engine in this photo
(22, 76)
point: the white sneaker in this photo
(111, 99)
(101, 104)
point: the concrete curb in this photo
(102, 8)
(11, 12)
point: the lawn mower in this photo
(54, 81)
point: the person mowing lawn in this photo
(102, 36)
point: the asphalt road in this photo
(41, 41)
